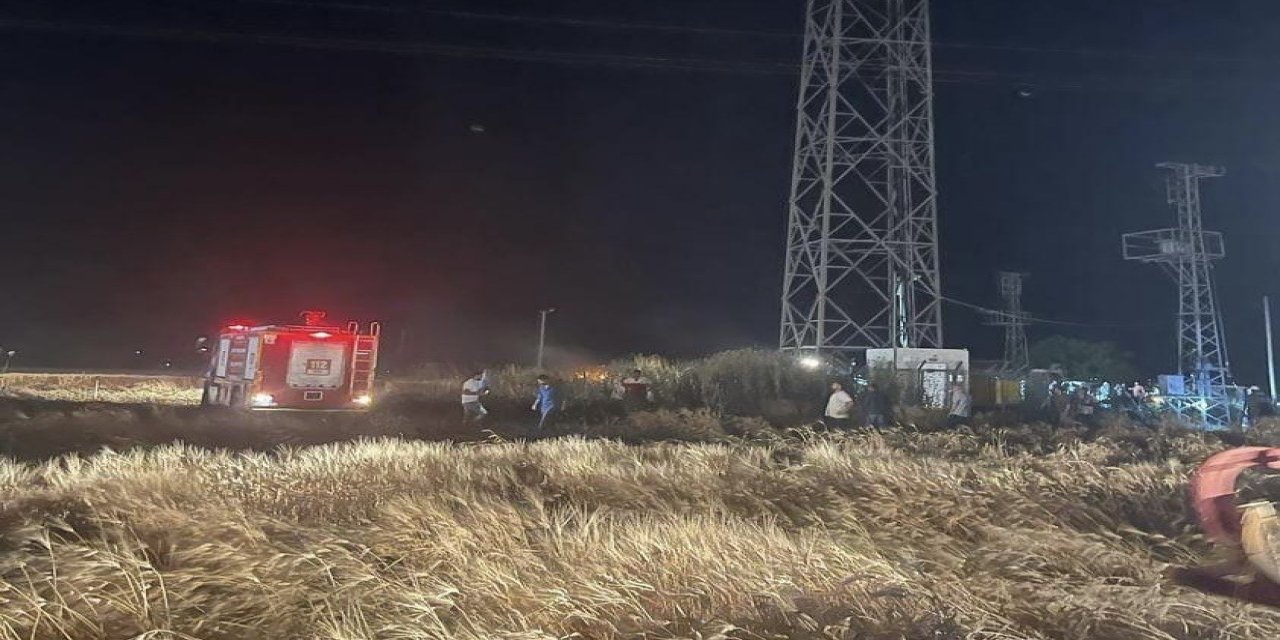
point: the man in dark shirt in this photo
(876, 403)
(1258, 405)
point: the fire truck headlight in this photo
(263, 400)
(364, 400)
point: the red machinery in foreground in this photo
(1250, 531)
(308, 366)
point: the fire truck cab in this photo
(312, 366)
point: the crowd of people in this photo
(1084, 403)
(1065, 404)
(1080, 405)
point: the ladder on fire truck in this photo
(364, 358)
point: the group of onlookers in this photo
(877, 407)
(1065, 406)
(1085, 403)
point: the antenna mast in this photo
(1187, 253)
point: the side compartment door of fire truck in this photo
(216, 392)
(252, 356)
(234, 371)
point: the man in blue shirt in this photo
(547, 402)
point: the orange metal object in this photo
(1253, 530)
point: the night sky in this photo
(168, 165)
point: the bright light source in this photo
(237, 327)
(264, 400)
(811, 362)
(364, 400)
(321, 334)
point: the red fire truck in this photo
(309, 366)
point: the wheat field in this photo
(102, 387)
(875, 536)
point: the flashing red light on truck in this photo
(305, 367)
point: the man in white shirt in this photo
(473, 389)
(839, 407)
(1139, 392)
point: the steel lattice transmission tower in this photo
(1014, 321)
(862, 241)
(1187, 253)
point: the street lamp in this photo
(542, 332)
(8, 355)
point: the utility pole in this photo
(862, 246)
(1271, 354)
(1014, 321)
(542, 332)
(1187, 253)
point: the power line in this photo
(1164, 55)
(712, 65)
(528, 19)
(396, 47)
(429, 48)
(1041, 320)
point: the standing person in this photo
(839, 407)
(961, 406)
(1086, 404)
(1257, 405)
(876, 403)
(1073, 406)
(546, 402)
(1048, 407)
(1139, 393)
(474, 388)
(1121, 401)
(1059, 406)
(637, 391)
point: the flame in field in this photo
(592, 374)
